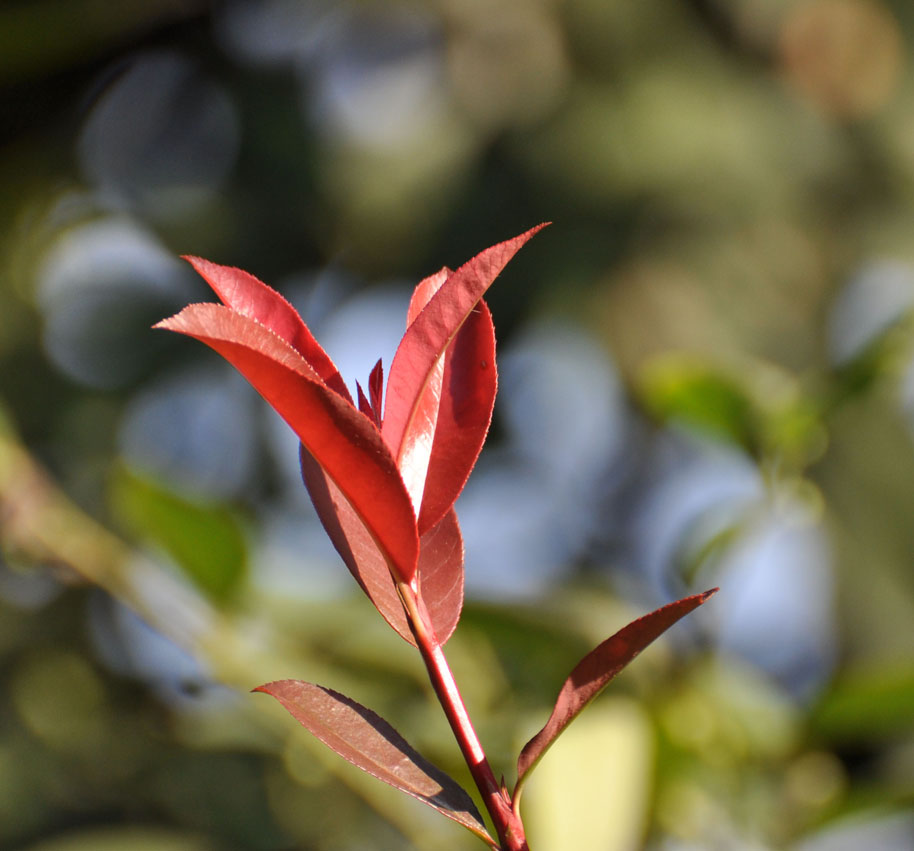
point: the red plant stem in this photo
(497, 800)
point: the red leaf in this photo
(247, 295)
(345, 443)
(468, 389)
(596, 669)
(367, 741)
(376, 389)
(408, 426)
(364, 404)
(463, 400)
(440, 569)
(414, 459)
(441, 574)
(417, 449)
(423, 292)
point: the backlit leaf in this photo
(367, 741)
(456, 408)
(416, 451)
(364, 404)
(441, 574)
(423, 293)
(247, 295)
(407, 428)
(440, 567)
(376, 390)
(594, 672)
(466, 401)
(345, 443)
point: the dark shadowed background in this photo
(706, 378)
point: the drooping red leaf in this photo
(249, 296)
(345, 443)
(596, 669)
(408, 425)
(367, 741)
(440, 568)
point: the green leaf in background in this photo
(869, 704)
(204, 539)
(887, 353)
(682, 388)
(760, 408)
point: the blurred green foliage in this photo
(207, 542)
(732, 186)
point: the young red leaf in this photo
(247, 295)
(596, 669)
(416, 451)
(376, 389)
(440, 568)
(407, 429)
(463, 396)
(441, 574)
(364, 404)
(367, 741)
(423, 292)
(468, 388)
(345, 443)
(414, 459)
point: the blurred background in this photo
(706, 378)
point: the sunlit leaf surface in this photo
(343, 441)
(410, 417)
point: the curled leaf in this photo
(367, 741)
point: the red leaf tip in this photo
(592, 674)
